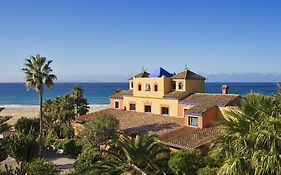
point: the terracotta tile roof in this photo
(204, 101)
(139, 123)
(190, 138)
(176, 95)
(121, 93)
(142, 74)
(188, 75)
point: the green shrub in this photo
(72, 148)
(87, 158)
(23, 148)
(3, 149)
(28, 126)
(207, 171)
(41, 167)
(100, 130)
(186, 162)
(50, 138)
(59, 144)
(68, 132)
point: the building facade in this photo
(176, 95)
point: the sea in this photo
(97, 94)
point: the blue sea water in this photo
(15, 94)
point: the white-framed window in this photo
(193, 121)
(147, 87)
(164, 110)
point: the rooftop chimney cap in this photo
(224, 86)
(224, 89)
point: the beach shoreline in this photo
(33, 111)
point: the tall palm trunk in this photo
(41, 124)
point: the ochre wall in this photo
(155, 103)
(209, 116)
(192, 86)
(164, 86)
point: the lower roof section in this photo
(122, 93)
(190, 138)
(171, 130)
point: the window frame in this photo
(118, 104)
(155, 87)
(180, 86)
(134, 107)
(167, 110)
(190, 121)
(147, 87)
(145, 108)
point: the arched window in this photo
(180, 85)
(139, 87)
(132, 84)
(147, 87)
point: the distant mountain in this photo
(220, 77)
(243, 77)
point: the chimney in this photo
(224, 89)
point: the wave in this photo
(18, 106)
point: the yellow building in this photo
(177, 95)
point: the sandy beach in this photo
(32, 111)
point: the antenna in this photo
(142, 68)
(185, 67)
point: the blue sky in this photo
(110, 40)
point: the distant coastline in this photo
(15, 95)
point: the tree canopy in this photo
(80, 103)
(251, 142)
(100, 129)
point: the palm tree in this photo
(251, 142)
(80, 103)
(37, 73)
(142, 155)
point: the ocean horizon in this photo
(97, 94)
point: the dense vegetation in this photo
(250, 143)
(4, 127)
